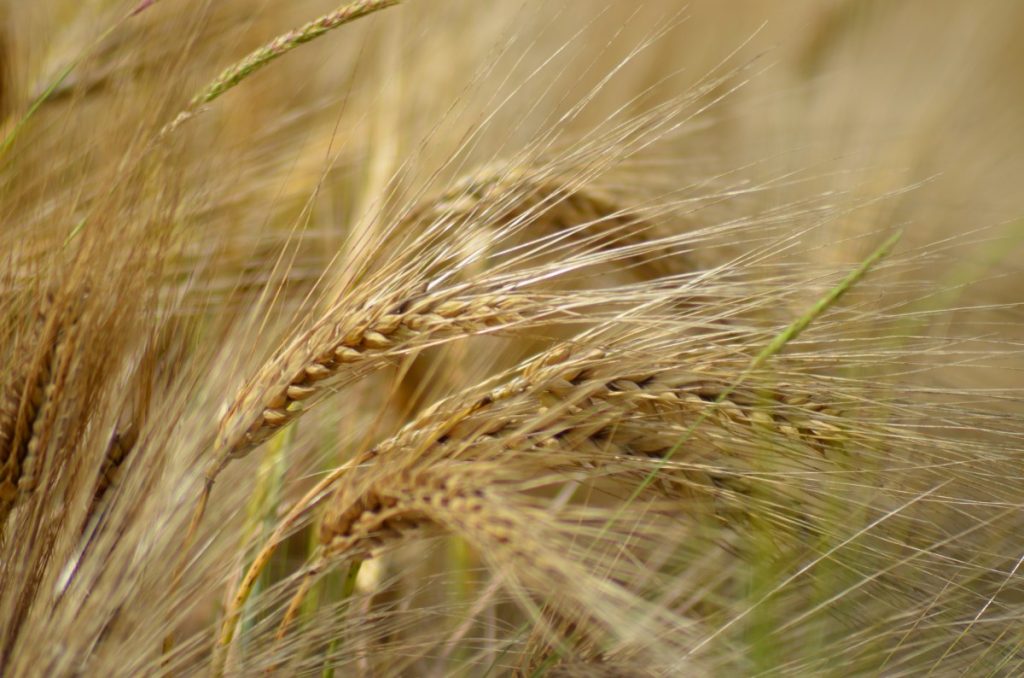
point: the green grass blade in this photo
(776, 345)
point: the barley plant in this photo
(512, 338)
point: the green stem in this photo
(774, 346)
(63, 75)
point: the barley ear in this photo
(275, 49)
(791, 332)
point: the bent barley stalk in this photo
(541, 200)
(402, 502)
(365, 340)
(480, 502)
(576, 406)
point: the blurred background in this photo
(918, 100)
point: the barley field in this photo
(511, 338)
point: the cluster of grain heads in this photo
(402, 306)
(527, 392)
(597, 408)
(575, 407)
(395, 312)
(527, 543)
(30, 402)
(421, 298)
